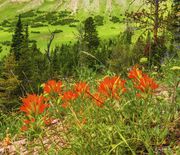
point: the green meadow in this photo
(9, 12)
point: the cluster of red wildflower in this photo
(142, 81)
(53, 87)
(109, 87)
(33, 105)
(80, 89)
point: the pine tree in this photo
(40, 65)
(9, 82)
(91, 36)
(26, 37)
(18, 40)
(127, 35)
(55, 63)
(0, 49)
(175, 27)
(25, 69)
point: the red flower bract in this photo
(146, 84)
(24, 128)
(142, 81)
(98, 99)
(33, 104)
(69, 95)
(81, 87)
(53, 87)
(135, 73)
(27, 121)
(112, 87)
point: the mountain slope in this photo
(8, 8)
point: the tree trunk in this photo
(156, 21)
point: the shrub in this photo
(63, 14)
(38, 32)
(99, 20)
(6, 43)
(35, 25)
(66, 21)
(28, 14)
(58, 31)
(72, 25)
(6, 23)
(115, 19)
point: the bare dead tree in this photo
(48, 50)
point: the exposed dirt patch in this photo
(54, 137)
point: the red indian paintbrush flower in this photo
(142, 81)
(53, 87)
(112, 87)
(28, 121)
(135, 73)
(24, 128)
(33, 104)
(67, 97)
(98, 99)
(81, 87)
(146, 84)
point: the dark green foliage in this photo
(175, 25)
(66, 21)
(55, 64)
(99, 20)
(8, 83)
(0, 49)
(72, 25)
(28, 14)
(115, 19)
(58, 31)
(64, 60)
(38, 24)
(91, 36)
(140, 49)
(63, 14)
(30, 68)
(127, 35)
(6, 23)
(125, 54)
(37, 32)
(18, 40)
(6, 43)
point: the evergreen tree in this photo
(26, 64)
(9, 82)
(91, 36)
(55, 63)
(26, 37)
(38, 66)
(127, 35)
(175, 27)
(0, 49)
(18, 40)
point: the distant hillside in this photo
(10, 8)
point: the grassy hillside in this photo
(44, 18)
